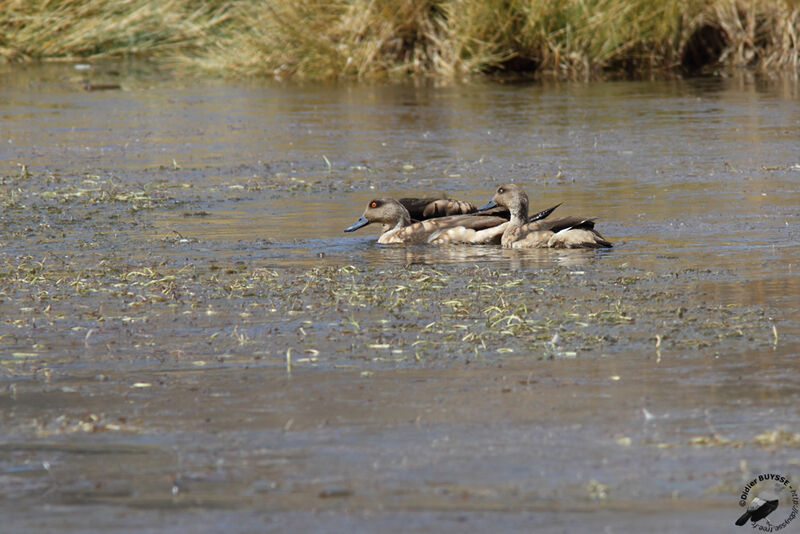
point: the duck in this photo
(435, 214)
(563, 232)
(485, 236)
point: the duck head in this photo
(510, 196)
(382, 210)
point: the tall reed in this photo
(321, 39)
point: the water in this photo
(165, 245)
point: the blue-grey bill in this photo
(362, 221)
(488, 205)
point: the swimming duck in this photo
(564, 232)
(484, 236)
(398, 226)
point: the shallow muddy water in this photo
(190, 343)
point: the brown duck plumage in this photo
(563, 232)
(399, 227)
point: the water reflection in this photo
(516, 260)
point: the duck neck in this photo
(403, 219)
(519, 212)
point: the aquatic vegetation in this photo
(231, 312)
(779, 437)
(355, 38)
(217, 374)
(117, 292)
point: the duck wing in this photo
(423, 230)
(421, 209)
(471, 229)
(542, 214)
(476, 222)
(573, 232)
(562, 223)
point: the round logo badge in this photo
(771, 503)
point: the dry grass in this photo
(76, 29)
(323, 39)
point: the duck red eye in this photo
(373, 205)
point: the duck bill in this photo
(489, 205)
(362, 221)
